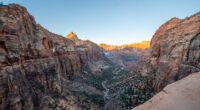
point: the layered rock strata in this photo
(175, 50)
(35, 63)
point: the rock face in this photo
(36, 64)
(181, 95)
(91, 48)
(175, 50)
(72, 36)
(129, 58)
(140, 45)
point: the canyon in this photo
(40, 70)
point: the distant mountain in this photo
(140, 45)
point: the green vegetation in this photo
(1, 23)
(133, 96)
(130, 88)
(65, 48)
(80, 46)
(87, 77)
(96, 99)
(86, 100)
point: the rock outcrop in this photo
(139, 45)
(72, 36)
(175, 50)
(181, 95)
(129, 58)
(35, 64)
(91, 48)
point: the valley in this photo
(40, 70)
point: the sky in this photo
(113, 22)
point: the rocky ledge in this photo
(181, 95)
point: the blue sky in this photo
(107, 21)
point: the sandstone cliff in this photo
(72, 36)
(181, 95)
(42, 70)
(36, 65)
(175, 50)
(130, 56)
(139, 45)
(92, 49)
(174, 54)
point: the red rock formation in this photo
(181, 95)
(34, 62)
(86, 47)
(72, 36)
(175, 50)
(140, 45)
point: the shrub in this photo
(1, 23)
